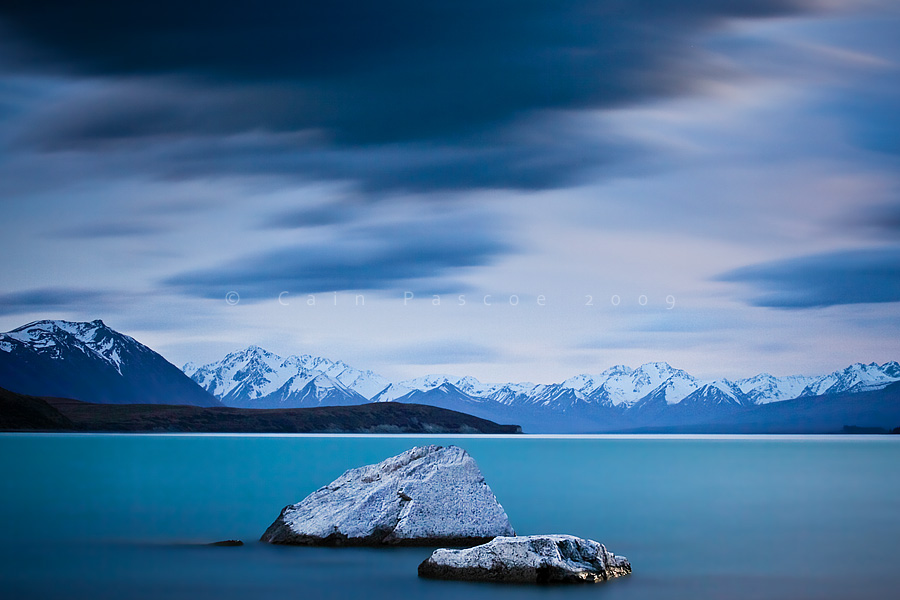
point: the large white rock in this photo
(528, 559)
(428, 495)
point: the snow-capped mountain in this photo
(617, 386)
(714, 395)
(765, 388)
(626, 390)
(256, 378)
(855, 378)
(54, 338)
(391, 393)
(93, 363)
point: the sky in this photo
(515, 190)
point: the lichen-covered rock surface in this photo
(528, 559)
(429, 495)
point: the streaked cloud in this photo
(110, 229)
(834, 278)
(36, 301)
(401, 255)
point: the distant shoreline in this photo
(19, 412)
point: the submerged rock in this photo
(227, 543)
(428, 495)
(528, 559)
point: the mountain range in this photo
(256, 378)
(654, 394)
(93, 363)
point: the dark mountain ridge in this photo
(93, 363)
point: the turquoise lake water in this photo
(117, 516)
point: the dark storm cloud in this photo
(278, 39)
(556, 150)
(49, 299)
(387, 257)
(441, 79)
(844, 277)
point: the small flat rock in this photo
(428, 495)
(528, 559)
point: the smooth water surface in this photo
(121, 516)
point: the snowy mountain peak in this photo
(617, 370)
(728, 388)
(857, 377)
(657, 368)
(255, 377)
(712, 396)
(762, 377)
(428, 382)
(391, 393)
(677, 387)
(82, 331)
(584, 383)
(652, 374)
(251, 353)
(56, 339)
